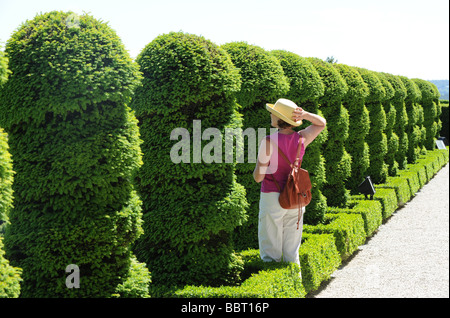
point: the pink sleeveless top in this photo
(289, 145)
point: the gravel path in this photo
(409, 255)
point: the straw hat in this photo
(283, 109)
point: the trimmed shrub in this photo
(445, 120)
(75, 145)
(401, 119)
(283, 282)
(337, 160)
(391, 137)
(412, 128)
(190, 206)
(348, 231)
(370, 211)
(263, 81)
(319, 259)
(9, 276)
(376, 139)
(359, 122)
(431, 111)
(305, 89)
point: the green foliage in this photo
(337, 160)
(4, 71)
(282, 282)
(75, 145)
(9, 276)
(391, 114)
(359, 123)
(319, 258)
(263, 79)
(190, 209)
(370, 211)
(6, 179)
(376, 139)
(401, 120)
(412, 126)
(348, 231)
(445, 119)
(431, 111)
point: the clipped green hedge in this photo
(376, 139)
(337, 160)
(413, 111)
(370, 211)
(191, 207)
(269, 280)
(445, 119)
(319, 259)
(359, 123)
(348, 230)
(75, 146)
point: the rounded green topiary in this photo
(376, 139)
(412, 129)
(354, 102)
(75, 145)
(391, 136)
(431, 111)
(191, 202)
(337, 159)
(401, 120)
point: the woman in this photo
(280, 230)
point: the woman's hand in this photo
(298, 114)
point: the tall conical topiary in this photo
(75, 146)
(376, 139)
(401, 119)
(412, 129)
(430, 96)
(356, 145)
(306, 87)
(263, 81)
(392, 139)
(191, 200)
(337, 159)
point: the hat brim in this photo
(269, 107)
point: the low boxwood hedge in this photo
(348, 230)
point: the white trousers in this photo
(278, 235)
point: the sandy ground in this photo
(409, 255)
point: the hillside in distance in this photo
(442, 86)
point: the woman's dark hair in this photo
(282, 124)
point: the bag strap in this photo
(299, 149)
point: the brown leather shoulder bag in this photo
(297, 191)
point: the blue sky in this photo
(402, 37)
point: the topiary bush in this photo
(75, 145)
(412, 129)
(376, 139)
(337, 159)
(431, 111)
(391, 137)
(401, 119)
(359, 122)
(190, 205)
(305, 89)
(263, 81)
